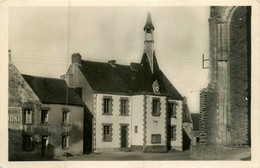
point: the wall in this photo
(54, 128)
(116, 119)
(239, 64)
(79, 81)
(20, 95)
(177, 144)
(156, 124)
(138, 120)
(228, 102)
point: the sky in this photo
(42, 40)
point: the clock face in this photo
(156, 87)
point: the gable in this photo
(19, 92)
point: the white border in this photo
(255, 93)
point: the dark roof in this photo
(195, 120)
(124, 79)
(149, 24)
(53, 91)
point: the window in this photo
(107, 133)
(65, 117)
(124, 107)
(65, 141)
(27, 142)
(156, 138)
(156, 107)
(136, 129)
(27, 116)
(173, 133)
(172, 110)
(44, 116)
(107, 106)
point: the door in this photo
(44, 145)
(123, 136)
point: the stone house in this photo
(43, 121)
(135, 107)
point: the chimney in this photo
(112, 63)
(134, 66)
(10, 55)
(76, 59)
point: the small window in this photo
(124, 107)
(156, 138)
(173, 110)
(156, 107)
(136, 129)
(107, 103)
(27, 116)
(65, 141)
(27, 142)
(173, 133)
(44, 116)
(107, 133)
(65, 117)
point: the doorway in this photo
(123, 136)
(44, 145)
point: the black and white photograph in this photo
(129, 83)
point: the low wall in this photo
(203, 152)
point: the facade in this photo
(134, 107)
(225, 103)
(195, 130)
(42, 122)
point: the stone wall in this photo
(227, 110)
(239, 63)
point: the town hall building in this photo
(135, 107)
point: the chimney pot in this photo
(112, 63)
(76, 59)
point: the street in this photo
(120, 156)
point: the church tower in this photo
(149, 43)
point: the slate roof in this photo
(195, 120)
(124, 79)
(53, 91)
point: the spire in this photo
(149, 25)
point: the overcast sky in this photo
(42, 40)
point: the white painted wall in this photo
(156, 124)
(115, 119)
(137, 120)
(177, 144)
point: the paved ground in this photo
(176, 155)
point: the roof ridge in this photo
(42, 77)
(128, 65)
